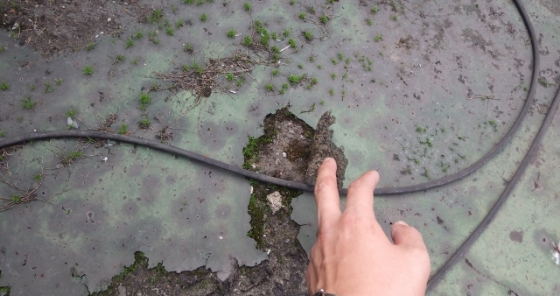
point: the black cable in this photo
(379, 191)
(306, 187)
(503, 197)
(434, 280)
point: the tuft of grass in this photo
(292, 43)
(129, 43)
(179, 24)
(340, 56)
(90, 46)
(138, 35)
(156, 16)
(71, 112)
(247, 6)
(302, 16)
(333, 76)
(286, 33)
(170, 31)
(2, 134)
(145, 100)
(420, 129)
(144, 123)
(119, 58)
(2, 49)
(188, 48)
(275, 72)
(308, 35)
(395, 17)
(188, 1)
(269, 87)
(374, 9)
(4, 86)
(231, 34)
(331, 92)
(369, 22)
(247, 41)
(26, 103)
(324, 19)
(378, 37)
(292, 2)
(88, 70)
(295, 79)
(123, 129)
(230, 76)
(59, 81)
(203, 17)
(49, 88)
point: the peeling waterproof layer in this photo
(380, 191)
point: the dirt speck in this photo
(516, 236)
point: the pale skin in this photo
(352, 254)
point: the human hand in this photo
(352, 255)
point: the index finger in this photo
(326, 194)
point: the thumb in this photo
(406, 236)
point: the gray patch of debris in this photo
(323, 147)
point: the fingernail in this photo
(325, 160)
(401, 223)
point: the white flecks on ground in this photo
(274, 201)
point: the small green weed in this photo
(308, 35)
(230, 76)
(231, 34)
(369, 22)
(156, 16)
(4, 86)
(188, 48)
(378, 37)
(203, 17)
(295, 79)
(124, 129)
(286, 33)
(302, 16)
(26, 103)
(145, 100)
(292, 43)
(2, 49)
(333, 76)
(324, 19)
(49, 88)
(88, 70)
(247, 6)
(71, 112)
(269, 87)
(90, 46)
(374, 9)
(331, 92)
(138, 35)
(59, 81)
(170, 31)
(129, 43)
(144, 123)
(119, 58)
(179, 24)
(247, 41)
(275, 72)
(71, 157)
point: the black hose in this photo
(379, 191)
